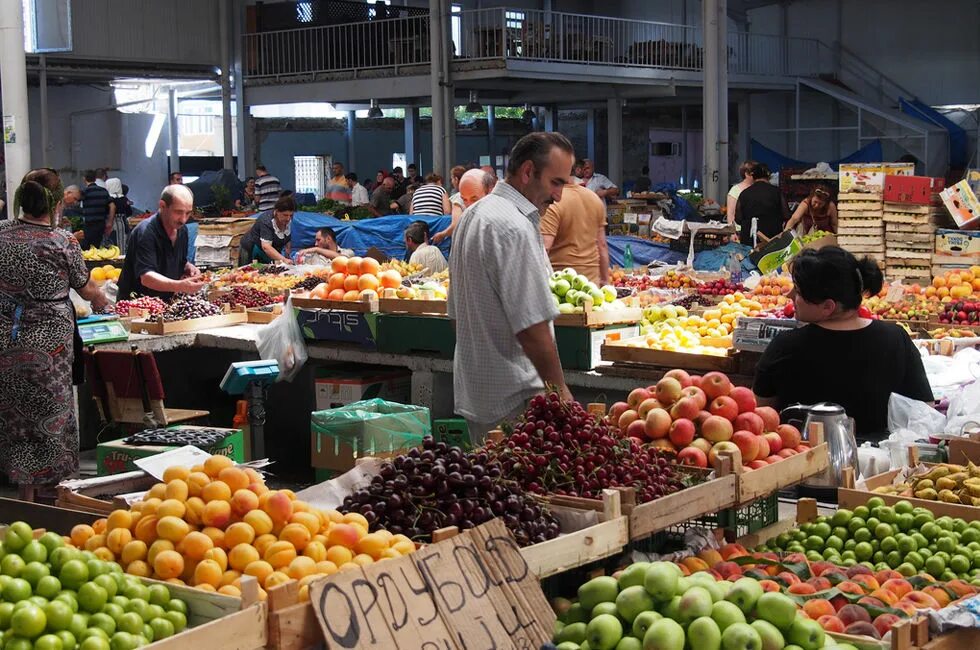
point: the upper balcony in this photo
(566, 45)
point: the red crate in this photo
(912, 189)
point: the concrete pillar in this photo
(13, 87)
(412, 142)
(723, 131)
(492, 136)
(449, 89)
(224, 32)
(711, 111)
(43, 87)
(549, 117)
(744, 130)
(615, 133)
(436, 89)
(246, 164)
(589, 134)
(686, 174)
(351, 165)
(172, 130)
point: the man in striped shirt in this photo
(95, 211)
(267, 188)
(499, 299)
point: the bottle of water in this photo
(628, 257)
(734, 268)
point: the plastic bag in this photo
(911, 418)
(283, 341)
(369, 427)
(964, 409)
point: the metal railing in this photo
(523, 34)
(379, 43)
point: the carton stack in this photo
(860, 227)
(912, 212)
(218, 240)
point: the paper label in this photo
(187, 456)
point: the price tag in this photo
(629, 217)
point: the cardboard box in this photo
(338, 437)
(755, 334)
(958, 243)
(116, 456)
(870, 177)
(912, 189)
(962, 204)
(580, 348)
(341, 386)
(340, 326)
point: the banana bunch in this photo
(402, 267)
(96, 254)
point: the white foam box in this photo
(755, 334)
(335, 387)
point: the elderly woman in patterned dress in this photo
(38, 265)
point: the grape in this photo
(151, 304)
(187, 307)
(273, 269)
(309, 283)
(248, 297)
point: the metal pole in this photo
(711, 112)
(172, 130)
(797, 121)
(615, 129)
(723, 133)
(412, 135)
(44, 109)
(13, 86)
(224, 30)
(245, 163)
(449, 89)
(492, 136)
(685, 174)
(351, 146)
(744, 139)
(435, 88)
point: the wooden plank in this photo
(645, 356)
(294, 627)
(263, 317)
(363, 306)
(202, 606)
(789, 471)
(673, 509)
(244, 630)
(852, 497)
(59, 519)
(594, 318)
(159, 327)
(576, 549)
(408, 306)
(958, 640)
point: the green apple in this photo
(51, 540)
(162, 628)
(632, 601)
(59, 615)
(665, 634)
(744, 593)
(772, 638)
(660, 581)
(573, 632)
(806, 633)
(776, 608)
(18, 535)
(48, 587)
(603, 589)
(604, 632)
(672, 609)
(703, 634)
(741, 636)
(633, 575)
(629, 643)
(103, 622)
(695, 603)
(643, 621)
(609, 292)
(726, 614)
(33, 551)
(28, 621)
(567, 645)
(562, 286)
(575, 614)
(604, 608)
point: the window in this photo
(304, 12)
(398, 160)
(310, 172)
(515, 19)
(457, 28)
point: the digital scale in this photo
(251, 378)
(101, 328)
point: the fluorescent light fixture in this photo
(375, 110)
(474, 106)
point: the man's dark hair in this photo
(327, 231)
(423, 224)
(261, 168)
(89, 175)
(101, 173)
(537, 147)
(645, 171)
(170, 178)
(352, 177)
(414, 166)
(416, 232)
(285, 204)
(286, 193)
(396, 169)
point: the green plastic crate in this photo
(578, 347)
(405, 333)
(737, 521)
(453, 432)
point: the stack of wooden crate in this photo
(860, 227)
(218, 240)
(910, 236)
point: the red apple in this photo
(692, 456)
(657, 423)
(626, 418)
(702, 444)
(697, 395)
(715, 384)
(770, 418)
(775, 442)
(646, 406)
(725, 407)
(748, 444)
(764, 450)
(685, 407)
(681, 432)
(758, 464)
(696, 380)
(744, 397)
(668, 390)
(636, 396)
(616, 410)
(790, 435)
(750, 422)
(718, 448)
(680, 375)
(700, 418)
(717, 429)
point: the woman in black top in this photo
(763, 202)
(269, 239)
(838, 356)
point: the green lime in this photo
(920, 520)
(835, 542)
(894, 558)
(822, 530)
(862, 535)
(907, 545)
(862, 512)
(915, 560)
(849, 562)
(841, 517)
(903, 507)
(959, 564)
(887, 514)
(879, 558)
(945, 522)
(875, 502)
(872, 522)
(883, 530)
(863, 551)
(925, 552)
(949, 575)
(840, 531)
(906, 570)
(177, 605)
(888, 545)
(935, 566)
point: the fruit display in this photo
(814, 235)
(572, 292)
(559, 448)
(187, 307)
(674, 280)
(653, 606)
(721, 287)
(773, 290)
(901, 538)
(404, 268)
(910, 307)
(955, 285)
(247, 275)
(438, 486)
(708, 333)
(637, 282)
(699, 417)
(154, 306)
(960, 313)
(96, 254)
(54, 596)
(248, 297)
(355, 279)
(208, 525)
(100, 274)
(947, 482)
(429, 290)
(951, 333)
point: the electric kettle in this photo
(838, 433)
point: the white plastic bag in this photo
(283, 341)
(964, 409)
(913, 418)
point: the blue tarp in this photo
(959, 154)
(775, 161)
(384, 233)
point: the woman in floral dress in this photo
(38, 264)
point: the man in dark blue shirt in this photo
(156, 251)
(95, 212)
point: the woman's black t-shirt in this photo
(857, 369)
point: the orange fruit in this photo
(315, 550)
(326, 567)
(230, 576)
(216, 491)
(104, 554)
(362, 559)
(208, 572)
(149, 506)
(354, 266)
(336, 281)
(205, 587)
(336, 294)
(301, 567)
(99, 525)
(158, 491)
(157, 547)
(177, 489)
(308, 519)
(80, 534)
(172, 528)
(372, 544)
(368, 282)
(119, 519)
(241, 556)
(195, 545)
(259, 520)
(280, 554)
(117, 538)
(390, 279)
(343, 535)
(370, 265)
(339, 555)
(350, 283)
(216, 463)
(175, 472)
(260, 570)
(339, 264)
(219, 556)
(244, 501)
(134, 550)
(263, 542)
(196, 482)
(239, 533)
(235, 478)
(351, 296)
(217, 536)
(168, 564)
(356, 518)
(296, 534)
(217, 514)
(138, 568)
(194, 511)
(146, 529)
(171, 508)
(229, 590)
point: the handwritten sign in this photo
(470, 592)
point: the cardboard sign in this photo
(473, 591)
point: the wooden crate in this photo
(303, 300)
(806, 511)
(622, 353)
(99, 494)
(596, 318)
(660, 514)
(56, 518)
(851, 497)
(420, 307)
(234, 316)
(263, 317)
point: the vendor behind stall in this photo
(763, 203)
(269, 239)
(839, 356)
(156, 251)
(815, 212)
